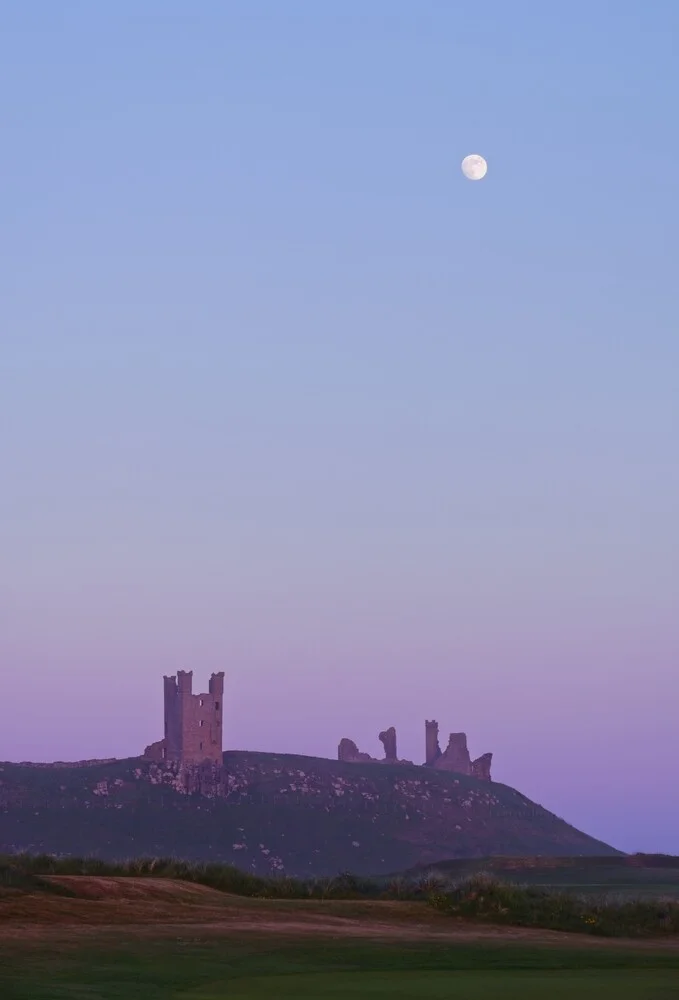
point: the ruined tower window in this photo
(201, 702)
(202, 722)
(216, 706)
(201, 746)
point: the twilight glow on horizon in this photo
(281, 394)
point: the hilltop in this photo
(276, 813)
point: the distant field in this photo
(642, 889)
(626, 877)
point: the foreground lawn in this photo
(556, 985)
(252, 969)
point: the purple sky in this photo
(282, 394)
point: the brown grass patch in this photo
(136, 889)
(150, 908)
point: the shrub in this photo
(15, 879)
(491, 900)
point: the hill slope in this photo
(281, 813)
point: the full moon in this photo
(474, 167)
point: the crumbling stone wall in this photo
(388, 740)
(456, 755)
(156, 751)
(348, 751)
(432, 748)
(68, 763)
(481, 767)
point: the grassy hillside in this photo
(270, 813)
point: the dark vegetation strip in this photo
(225, 878)
(491, 900)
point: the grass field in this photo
(255, 968)
(510, 985)
(100, 938)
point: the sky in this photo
(283, 394)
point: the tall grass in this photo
(225, 878)
(15, 879)
(490, 900)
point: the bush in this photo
(14, 879)
(491, 900)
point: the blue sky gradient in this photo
(281, 393)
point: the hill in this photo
(276, 813)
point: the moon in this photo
(474, 167)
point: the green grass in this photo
(447, 985)
(254, 968)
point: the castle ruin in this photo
(193, 722)
(193, 734)
(454, 758)
(388, 741)
(456, 755)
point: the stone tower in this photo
(432, 748)
(193, 722)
